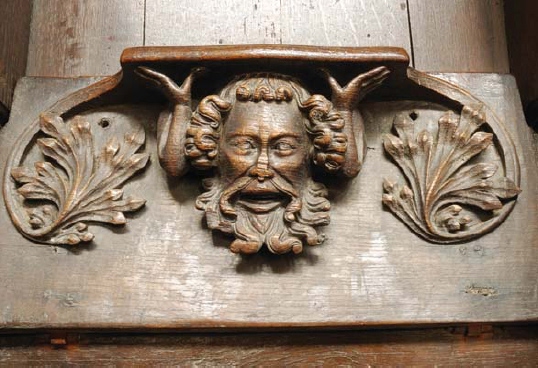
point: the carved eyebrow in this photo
(231, 135)
(297, 137)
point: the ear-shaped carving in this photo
(201, 145)
(325, 126)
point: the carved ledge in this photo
(269, 127)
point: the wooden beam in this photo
(77, 38)
(458, 35)
(522, 35)
(14, 34)
(335, 23)
(511, 346)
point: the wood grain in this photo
(335, 23)
(165, 270)
(76, 38)
(346, 23)
(522, 31)
(500, 346)
(117, 282)
(14, 37)
(212, 22)
(458, 36)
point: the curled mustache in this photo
(225, 204)
(280, 183)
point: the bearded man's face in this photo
(263, 192)
(266, 142)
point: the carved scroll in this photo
(444, 188)
(77, 183)
(267, 127)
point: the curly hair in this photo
(324, 124)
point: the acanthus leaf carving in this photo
(444, 187)
(74, 185)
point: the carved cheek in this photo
(232, 165)
(294, 167)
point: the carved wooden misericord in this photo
(266, 128)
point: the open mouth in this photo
(262, 201)
(261, 197)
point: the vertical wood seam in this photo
(144, 29)
(281, 20)
(411, 45)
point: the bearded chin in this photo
(283, 229)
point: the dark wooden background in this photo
(73, 38)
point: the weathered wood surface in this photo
(14, 36)
(85, 38)
(458, 36)
(82, 38)
(164, 269)
(100, 57)
(497, 347)
(334, 23)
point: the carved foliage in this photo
(78, 183)
(445, 190)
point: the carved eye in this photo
(243, 145)
(284, 147)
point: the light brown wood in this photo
(458, 35)
(165, 270)
(340, 23)
(447, 36)
(500, 346)
(212, 22)
(346, 23)
(80, 38)
(14, 35)
(167, 274)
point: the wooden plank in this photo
(458, 35)
(499, 346)
(14, 35)
(76, 38)
(190, 22)
(165, 270)
(335, 23)
(521, 32)
(346, 23)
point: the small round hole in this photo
(104, 123)
(413, 115)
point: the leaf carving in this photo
(443, 187)
(79, 182)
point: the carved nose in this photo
(261, 170)
(261, 173)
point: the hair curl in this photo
(324, 124)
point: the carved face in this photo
(263, 140)
(262, 134)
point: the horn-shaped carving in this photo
(345, 100)
(264, 131)
(257, 134)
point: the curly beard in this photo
(281, 229)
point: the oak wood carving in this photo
(266, 127)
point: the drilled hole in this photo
(413, 115)
(104, 123)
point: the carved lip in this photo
(261, 199)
